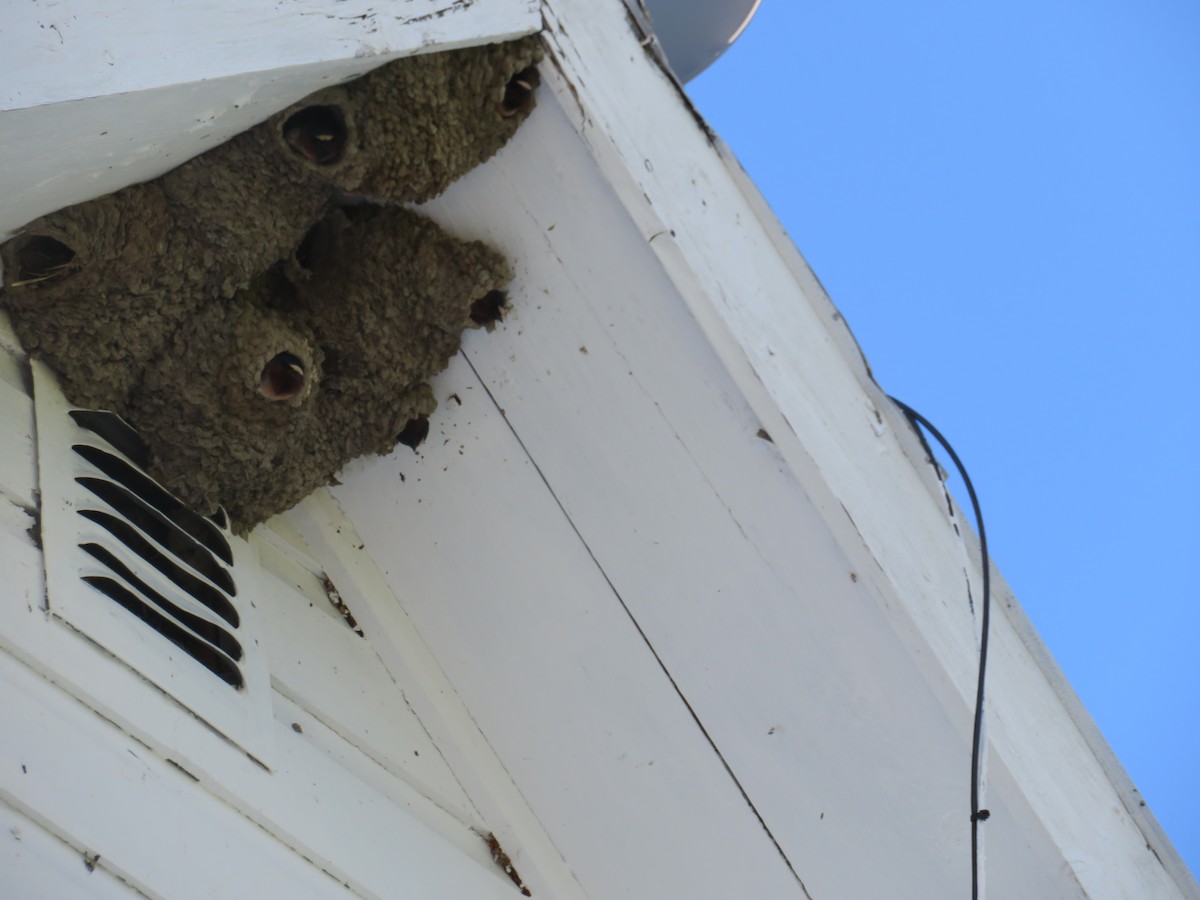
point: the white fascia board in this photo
(793, 356)
(106, 94)
(77, 49)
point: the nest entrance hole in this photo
(282, 377)
(489, 309)
(316, 245)
(414, 432)
(518, 93)
(318, 133)
(42, 258)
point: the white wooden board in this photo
(104, 792)
(37, 865)
(17, 476)
(73, 49)
(827, 707)
(319, 663)
(112, 93)
(325, 801)
(390, 818)
(793, 358)
(538, 860)
(558, 679)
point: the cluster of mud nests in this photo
(268, 311)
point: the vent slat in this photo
(152, 577)
(200, 590)
(169, 536)
(205, 654)
(150, 491)
(209, 631)
(116, 431)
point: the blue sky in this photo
(1004, 201)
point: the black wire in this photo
(977, 815)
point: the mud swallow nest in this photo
(257, 328)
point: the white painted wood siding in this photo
(796, 363)
(356, 798)
(622, 562)
(617, 534)
(118, 93)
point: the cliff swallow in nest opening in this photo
(318, 133)
(282, 377)
(518, 93)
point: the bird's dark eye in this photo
(318, 133)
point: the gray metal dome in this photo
(693, 33)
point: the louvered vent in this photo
(136, 571)
(162, 562)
